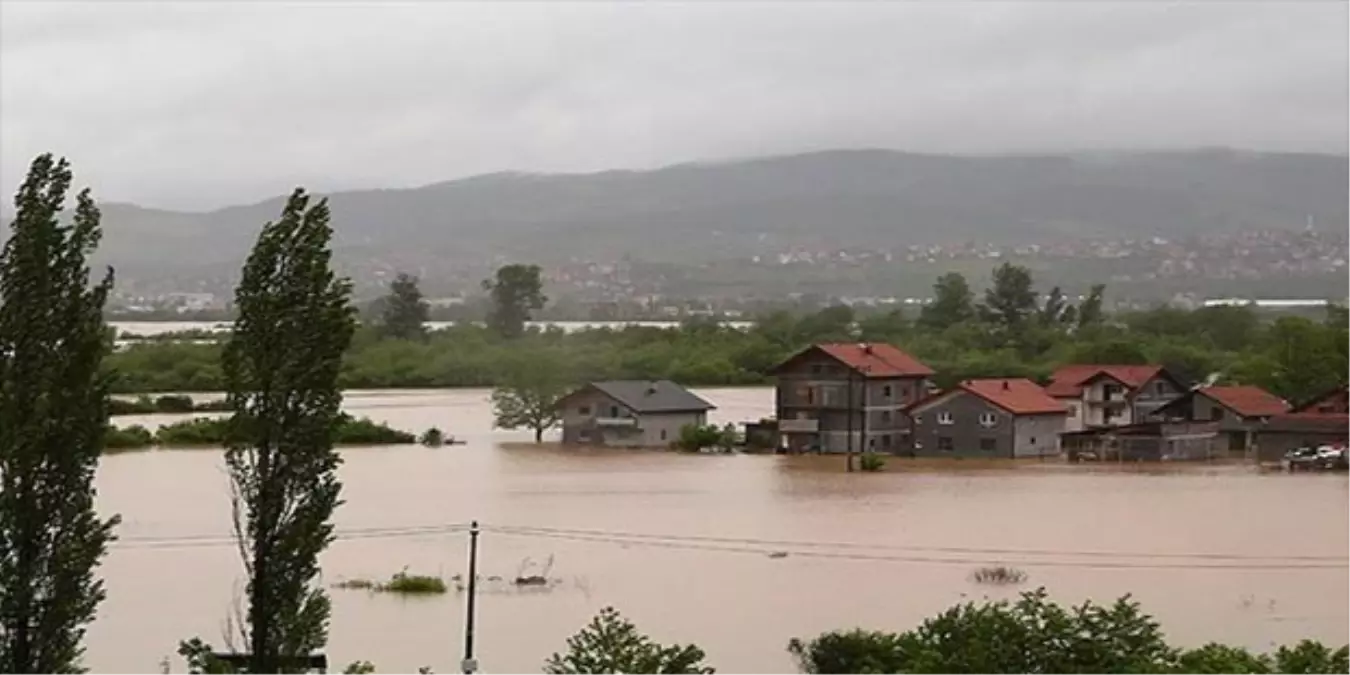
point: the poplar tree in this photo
(53, 415)
(281, 367)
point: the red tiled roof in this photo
(1067, 381)
(1018, 396)
(1336, 400)
(875, 359)
(1247, 400)
(1310, 422)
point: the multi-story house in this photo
(848, 397)
(1004, 417)
(1112, 395)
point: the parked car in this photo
(1323, 458)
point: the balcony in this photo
(616, 422)
(799, 426)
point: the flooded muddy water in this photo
(682, 544)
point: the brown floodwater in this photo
(1214, 552)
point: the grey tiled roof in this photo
(650, 396)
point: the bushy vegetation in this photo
(1035, 635)
(871, 462)
(134, 437)
(204, 431)
(401, 583)
(168, 403)
(1014, 331)
(694, 437)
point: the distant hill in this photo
(699, 211)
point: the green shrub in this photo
(432, 438)
(414, 584)
(174, 403)
(134, 437)
(871, 462)
(363, 431)
(194, 432)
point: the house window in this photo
(663, 434)
(1073, 410)
(945, 417)
(1160, 388)
(1216, 413)
(988, 419)
(886, 441)
(886, 416)
(584, 435)
(945, 443)
(988, 444)
(886, 391)
(584, 410)
(817, 369)
(1033, 440)
(614, 411)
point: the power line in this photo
(798, 548)
(688, 545)
(932, 549)
(211, 540)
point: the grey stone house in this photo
(847, 397)
(630, 413)
(1004, 417)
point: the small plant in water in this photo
(999, 575)
(414, 584)
(871, 462)
(432, 438)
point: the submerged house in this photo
(1003, 417)
(630, 413)
(1239, 411)
(1324, 420)
(1112, 395)
(847, 397)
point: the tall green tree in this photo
(612, 644)
(281, 366)
(53, 415)
(516, 291)
(953, 303)
(403, 313)
(1010, 299)
(1090, 312)
(528, 398)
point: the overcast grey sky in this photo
(198, 105)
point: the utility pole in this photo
(470, 664)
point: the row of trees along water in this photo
(1008, 329)
(281, 368)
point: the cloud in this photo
(201, 104)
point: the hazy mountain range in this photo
(705, 210)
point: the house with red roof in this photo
(1334, 401)
(1239, 411)
(999, 417)
(1098, 395)
(848, 397)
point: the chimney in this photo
(1005, 385)
(866, 347)
(651, 387)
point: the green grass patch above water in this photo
(401, 583)
(211, 432)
